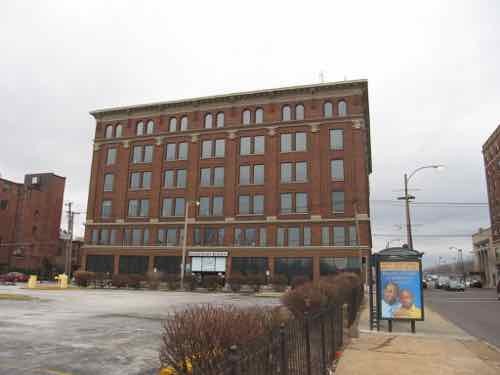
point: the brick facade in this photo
(30, 218)
(113, 235)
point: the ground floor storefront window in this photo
(133, 264)
(100, 263)
(168, 264)
(249, 265)
(293, 267)
(333, 265)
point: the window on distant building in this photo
(118, 131)
(294, 172)
(139, 128)
(138, 208)
(328, 110)
(220, 119)
(213, 149)
(259, 116)
(336, 139)
(251, 204)
(299, 112)
(211, 206)
(252, 145)
(106, 209)
(150, 127)
(294, 236)
(172, 126)
(251, 174)
(294, 203)
(246, 117)
(208, 236)
(286, 113)
(170, 236)
(250, 236)
(136, 237)
(142, 154)
(173, 207)
(176, 151)
(108, 181)
(175, 179)
(293, 142)
(184, 123)
(212, 176)
(109, 131)
(338, 201)
(111, 156)
(337, 169)
(208, 121)
(140, 180)
(342, 106)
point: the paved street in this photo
(476, 311)
(92, 331)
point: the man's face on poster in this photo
(390, 294)
(406, 299)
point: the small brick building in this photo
(30, 218)
(274, 180)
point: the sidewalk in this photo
(438, 348)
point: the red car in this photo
(14, 277)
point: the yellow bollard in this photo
(63, 281)
(32, 282)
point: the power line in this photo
(437, 235)
(430, 204)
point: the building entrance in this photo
(208, 262)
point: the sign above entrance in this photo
(208, 253)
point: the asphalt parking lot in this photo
(92, 331)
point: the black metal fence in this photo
(302, 347)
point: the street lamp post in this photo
(184, 240)
(408, 197)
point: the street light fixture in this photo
(408, 197)
(184, 239)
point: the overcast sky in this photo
(432, 66)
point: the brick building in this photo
(30, 217)
(489, 256)
(273, 180)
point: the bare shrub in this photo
(279, 282)
(153, 280)
(298, 281)
(255, 280)
(173, 281)
(200, 335)
(236, 280)
(120, 280)
(84, 278)
(135, 280)
(211, 282)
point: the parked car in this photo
(476, 284)
(456, 285)
(424, 284)
(442, 282)
(13, 277)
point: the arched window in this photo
(342, 108)
(220, 119)
(118, 131)
(328, 109)
(259, 116)
(286, 114)
(109, 131)
(184, 123)
(139, 128)
(299, 112)
(172, 126)
(208, 121)
(246, 117)
(150, 128)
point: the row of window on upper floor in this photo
(213, 206)
(290, 142)
(288, 113)
(331, 235)
(249, 174)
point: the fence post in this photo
(334, 330)
(308, 341)
(323, 343)
(283, 358)
(341, 326)
(234, 360)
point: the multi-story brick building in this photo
(30, 217)
(273, 180)
(489, 257)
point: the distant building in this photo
(60, 259)
(280, 177)
(30, 218)
(485, 260)
(491, 155)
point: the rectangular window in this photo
(169, 179)
(179, 207)
(148, 153)
(245, 175)
(353, 239)
(181, 178)
(250, 237)
(301, 171)
(133, 207)
(286, 203)
(244, 204)
(220, 147)
(176, 151)
(111, 156)
(338, 201)
(167, 207)
(137, 154)
(104, 240)
(170, 153)
(218, 208)
(301, 202)
(252, 145)
(206, 149)
(307, 236)
(258, 204)
(336, 139)
(106, 209)
(146, 180)
(95, 236)
(339, 236)
(325, 235)
(286, 172)
(140, 180)
(294, 236)
(213, 149)
(108, 181)
(337, 169)
(293, 142)
(172, 207)
(204, 236)
(144, 208)
(183, 151)
(258, 174)
(142, 154)
(205, 176)
(262, 236)
(219, 176)
(293, 172)
(280, 241)
(204, 206)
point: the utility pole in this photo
(69, 241)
